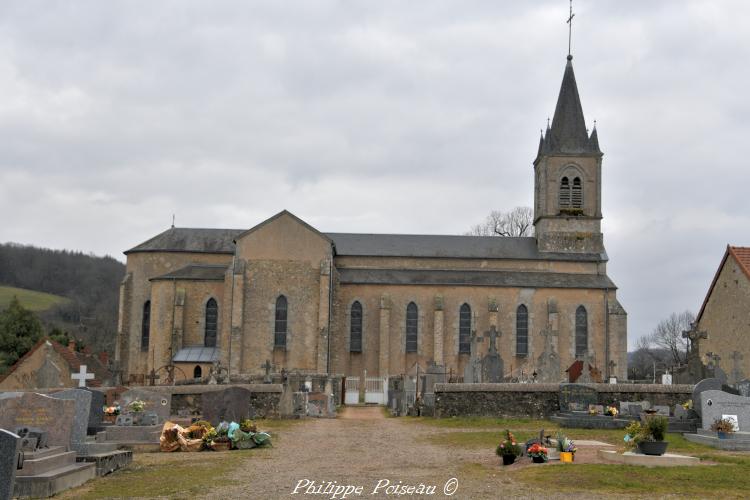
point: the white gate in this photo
(375, 390)
(410, 392)
(351, 392)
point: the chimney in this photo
(104, 358)
(72, 346)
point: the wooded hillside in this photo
(90, 283)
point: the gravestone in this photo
(97, 413)
(473, 369)
(492, 363)
(599, 409)
(744, 388)
(230, 404)
(52, 415)
(576, 397)
(124, 420)
(9, 449)
(155, 402)
(435, 375)
(661, 410)
(82, 399)
(718, 404)
(634, 408)
(299, 404)
(548, 363)
(680, 413)
(707, 384)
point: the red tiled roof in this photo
(742, 256)
(74, 360)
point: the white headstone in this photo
(666, 379)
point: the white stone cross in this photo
(82, 376)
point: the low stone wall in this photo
(187, 399)
(541, 400)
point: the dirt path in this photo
(363, 448)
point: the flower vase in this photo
(508, 459)
(537, 460)
(722, 435)
(566, 457)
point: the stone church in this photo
(382, 304)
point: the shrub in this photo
(509, 446)
(657, 427)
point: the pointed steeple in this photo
(568, 125)
(594, 141)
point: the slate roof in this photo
(742, 257)
(196, 354)
(194, 240)
(196, 272)
(568, 134)
(474, 278)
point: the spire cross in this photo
(570, 26)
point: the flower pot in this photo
(722, 435)
(537, 460)
(221, 446)
(653, 447)
(566, 457)
(508, 459)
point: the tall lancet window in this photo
(145, 325)
(522, 331)
(212, 319)
(412, 327)
(280, 323)
(464, 329)
(355, 328)
(582, 331)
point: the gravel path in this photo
(363, 448)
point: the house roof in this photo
(74, 359)
(741, 255)
(196, 272)
(520, 279)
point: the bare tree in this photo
(668, 335)
(517, 222)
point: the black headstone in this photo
(97, 413)
(231, 404)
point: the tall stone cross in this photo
(267, 366)
(152, 377)
(694, 336)
(492, 334)
(736, 368)
(82, 376)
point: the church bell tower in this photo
(567, 178)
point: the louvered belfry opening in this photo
(355, 330)
(564, 200)
(577, 194)
(412, 327)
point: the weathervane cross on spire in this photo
(570, 26)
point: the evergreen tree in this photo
(20, 329)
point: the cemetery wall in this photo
(265, 398)
(541, 400)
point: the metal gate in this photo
(351, 394)
(375, 390)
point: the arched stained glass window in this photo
(280, 325)
(522, 331)
(355, 329)
(412, 327)
(582, 331)
(464, 329)
(212, 319)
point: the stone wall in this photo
(541, 400)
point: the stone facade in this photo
(725, 315)
(321, 275)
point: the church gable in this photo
(284, 237)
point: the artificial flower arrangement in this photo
(508, 446)
(111, 410)
(723, 425)
(137, 405)
(564, 444)
(537, 452)
(611, 411)
(593, 411)
(688, 405)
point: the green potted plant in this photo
(648, 437)
(722, 427)
(538, 453)
(566, 447)
(508, 448)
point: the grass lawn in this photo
(728, 478)
(34, 301)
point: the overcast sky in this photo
(375, 116)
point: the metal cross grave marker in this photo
(82, 376)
